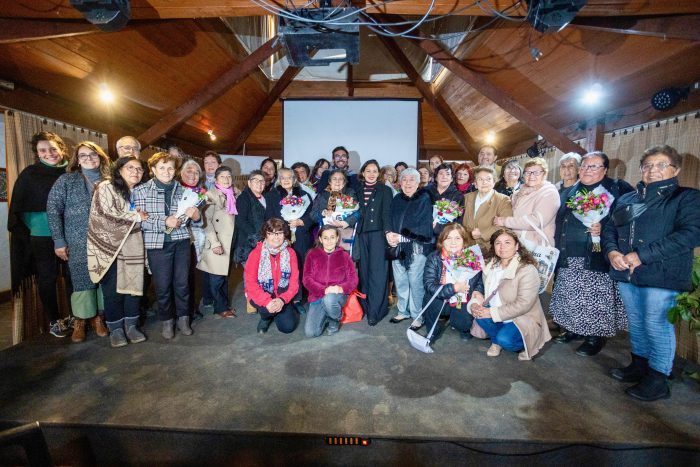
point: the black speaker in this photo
(107, 15)
(552, 15)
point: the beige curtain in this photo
(28, 318)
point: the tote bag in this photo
(544, 253)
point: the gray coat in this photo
(68, 209)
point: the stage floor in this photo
(364, 381)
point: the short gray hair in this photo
(295, 182)
(410, 172)
(190, 162)
(571, 156)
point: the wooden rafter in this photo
(210, 92)
(490, 91)
(271, 98)
(22, 30)
(438, 104)
(668, 27)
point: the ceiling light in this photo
(211, 134)
(105, 94)
(593, 95)
(536, 53)
(490, 137)
(667, 98)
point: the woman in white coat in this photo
(219, 217)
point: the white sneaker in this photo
(494, 350)
(522, 356)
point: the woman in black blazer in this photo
(370, 241)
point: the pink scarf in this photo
(230, 199)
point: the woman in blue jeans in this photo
(649, 241)
(511, 313)
(329, 277)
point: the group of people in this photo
(308, 238)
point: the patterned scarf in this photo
(230, 198)
(265, 268)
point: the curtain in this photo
(28, 317)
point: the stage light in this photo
(536, 54)
(105, 94)
(490, 138)
(593, 95)
(211, 134)
(667, 98)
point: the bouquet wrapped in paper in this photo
(341, 207)
(591, 207)
(446, 211)
(191, 198)
(293, 207)
(462, 268)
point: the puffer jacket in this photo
(663, 236)
(432, 277)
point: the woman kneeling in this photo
(511, 314)
(329, 276)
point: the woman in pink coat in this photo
(535, 206)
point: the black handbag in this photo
(394, 252)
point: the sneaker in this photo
(263, 325)
(56, 328)
(68, 322)
(333, 327)
(523, 357)
(494, 350)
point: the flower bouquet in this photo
(345, 205)
(293, 207)
(462, 268)
(191, 198)
(446, 211)
(590, 207)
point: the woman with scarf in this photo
(167, 242)
(68, 211)
(449, 247)
(464, 179)
(509, 311)
(649, 243)
(410, 236)
(32, 249)
(219, 216)
(272, 278)
(115, 253)
(511, 178)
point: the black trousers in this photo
(170, 267)
(460, 318)
(48, 266)
(286, 320)
(374, 271)
(117, 305)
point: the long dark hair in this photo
(317, 165)
(118, 181)
(525, 255)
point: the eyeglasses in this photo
(340, 156)
(592, 167)
(660, 165)
(512, 169)
(133, 170)
(484, 180)
(275, 234)
(533, 173)
(257, 180)
(129, 148)
(93, 155)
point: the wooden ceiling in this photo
(161, 65)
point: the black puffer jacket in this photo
(663, 236)
(432, 274)
(450, 194)
(249, 221)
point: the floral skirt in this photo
(587, 302)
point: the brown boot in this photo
(99, 326)
(78, 330)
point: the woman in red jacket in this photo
(329, 276)
(272, 277)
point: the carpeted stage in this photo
(227, 390)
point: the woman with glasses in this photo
(115, 253)
(649, 243)
(272, 277)
(511, 178)
(535, 205)
(585, 301)
(68, 209)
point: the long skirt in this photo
(587, 302)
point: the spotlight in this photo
(536, 54)
(211, 134)
(490, 137)
(667, 98)
(593, 95)
(105, 94)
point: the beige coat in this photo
(520, 302)
(498, 205)
(540, 207)
(218, 231)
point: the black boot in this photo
(652, 387)
(567, 336)
(591, 346)
(264, 325)
(632, 373)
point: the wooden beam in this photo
(667, 27)
(210, 92)
(489, 90)
(21, 30)
(439, 105)
(271, 98)
(595, 131)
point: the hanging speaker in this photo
(107, 15)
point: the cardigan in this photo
(323, 269)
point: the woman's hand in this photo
(479, 311)
(143, 214)
(633, 260)
(192, 213)
(62, 253)
(476, 234)
(333, 289)
(341, 224)
(172, 222)
(461, 287)
(275, 305)
(392, 238)
(594, 229)
(617, 261)
(499, 221)
(218, 250)
(296, 223)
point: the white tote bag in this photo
(417, 341)
(545, 254)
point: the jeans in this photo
(218, 290)
(409, 286)
(651, 335)
(170, 267)
(117, 305)
(506, 335)
(330, 307)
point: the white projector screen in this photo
(381, 129)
